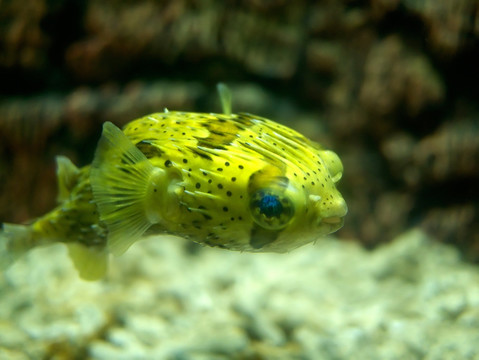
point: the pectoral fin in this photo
(120, 176)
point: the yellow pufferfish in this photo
(234, 181)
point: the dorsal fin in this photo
(225, 97)
(120, 175)
(67, 175)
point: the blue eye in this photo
(270, 206)
(271, 209)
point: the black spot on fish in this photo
(167, 163)
(206, 216)
(219, 133)
(201, 154)
(244, 120)
(211, 145)
(238, 127)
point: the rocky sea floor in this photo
(164, 299)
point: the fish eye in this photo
(271, 209)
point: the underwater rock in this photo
(160, 34)
(395, 76)
(24, 43)
(449, 22)
(34, 129)
(434, 168)
(449, 153)
(410, 299)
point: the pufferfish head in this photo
(295, 204)
(254, 185)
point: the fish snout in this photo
(331, 211)
(335, 213)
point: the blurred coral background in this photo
(391, 86)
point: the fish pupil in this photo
(270, 206)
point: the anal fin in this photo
(91, 263)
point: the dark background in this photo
(391, 85)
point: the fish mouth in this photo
(333, 220)
(334, 223)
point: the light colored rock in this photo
(411, 299)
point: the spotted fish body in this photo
(219, 163)
(235, 181)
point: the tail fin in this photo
(15, 241)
